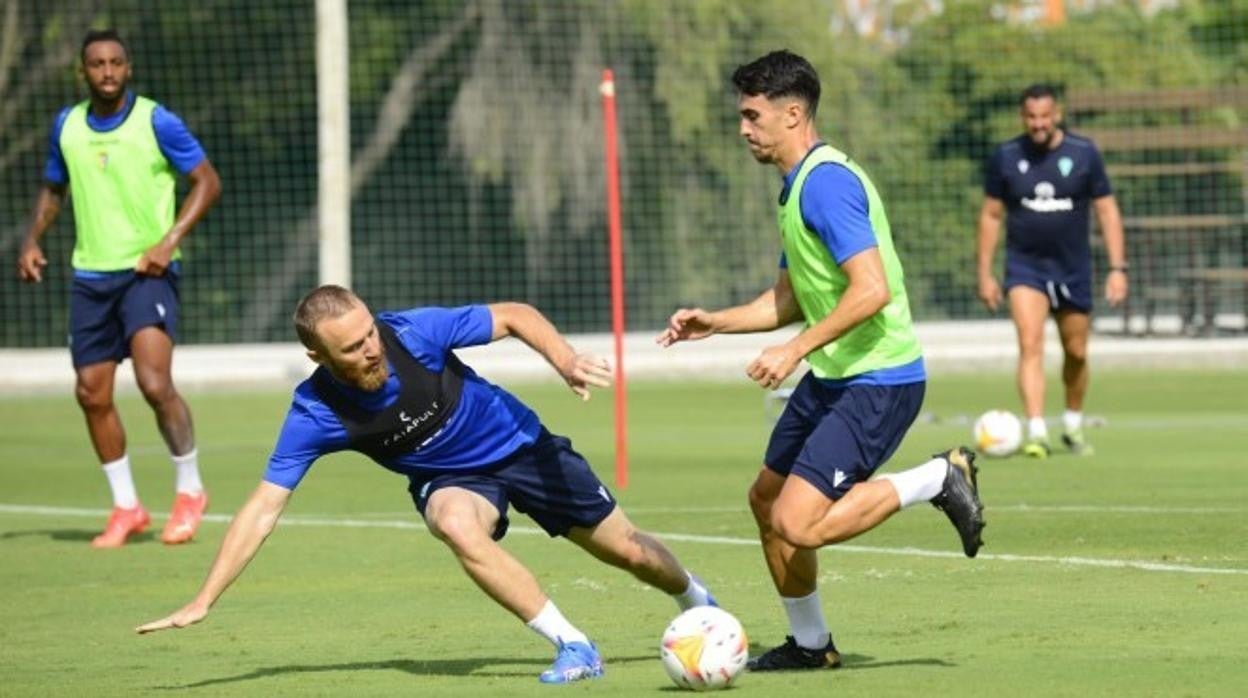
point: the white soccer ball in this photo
(704, 648)
(998, 433)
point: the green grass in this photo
(331, 610)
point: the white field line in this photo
(338, 522)
(1025, 508)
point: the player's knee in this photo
(1031, 348)
(93, 398)
(794, 530)
(1076, 354)
(157, 390)
(457, 528)
(760, 505)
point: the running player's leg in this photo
(617, 542)
(1074, 326)
(805, 517)
(794, 570)
(1029, 308)
(555, 485)
(465, 521)
(470, 524)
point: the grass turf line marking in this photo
(1076, 561)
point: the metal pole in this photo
(333, 143)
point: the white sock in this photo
(121, 483)
(920, 483)
(187, 469)
(1037, 429)
(1072, 420)
(806, 621)
(694, 595)
(551, 625)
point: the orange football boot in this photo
(188, 511)
(122, 523)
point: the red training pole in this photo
(607, 88)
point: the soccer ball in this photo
(998, 433)
(704, 648)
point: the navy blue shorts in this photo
(547, 480)
(106, 310)
(1073, 293)
(835, 438)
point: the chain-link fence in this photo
(477, 148)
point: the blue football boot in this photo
(573, 662)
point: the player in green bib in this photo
(120, 155)
(840, 276)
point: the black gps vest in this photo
(426, 400)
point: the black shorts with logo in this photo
(547, 480)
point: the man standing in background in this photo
(120, 153)
(1046, 178)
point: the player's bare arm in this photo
(1110, 220)
(247, 532)
(774, 308)
(205, 191)
(30, 261)
(526, 323)
(991, 215)
(865, 296)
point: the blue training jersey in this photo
(487, 425)
(176, 142)
(1047, 196)
(834, 207)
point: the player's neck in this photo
(1056, 141)
(797, 150)
(104, 107)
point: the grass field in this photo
(1121, 574)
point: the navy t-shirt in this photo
(1047, 196)
(486, 426)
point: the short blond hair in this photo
(322, 303)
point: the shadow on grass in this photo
(70, 535)
(849, 662)
(468, 666)
(853, 662)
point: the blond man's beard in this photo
(372, 379)
(367, 379)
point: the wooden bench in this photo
(1175, 139)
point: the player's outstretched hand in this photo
(586, 370)
(685, 325)
(189, 614)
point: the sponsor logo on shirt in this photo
(1046, 201)
(408, 423)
